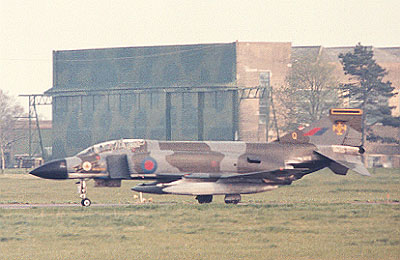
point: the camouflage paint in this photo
(214, 168)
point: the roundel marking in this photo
(149, 165)
(87, 166)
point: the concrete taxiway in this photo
(69, 205)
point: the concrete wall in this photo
(253, 58)
(389, 58)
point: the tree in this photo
(367, 89)
(309, 91)
(9, 111)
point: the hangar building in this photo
(181, 92)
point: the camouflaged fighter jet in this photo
(208, 168)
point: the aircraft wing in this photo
(281, 176)
(223, 183)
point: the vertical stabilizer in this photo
(341, 127)
(337, 138)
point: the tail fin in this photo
(337, 138)
(341, 127)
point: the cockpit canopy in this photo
(129, 144)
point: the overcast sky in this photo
(31, 30)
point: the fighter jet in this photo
(208, 168)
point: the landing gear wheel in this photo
(232, 199)
(86, 202)
(204, 198)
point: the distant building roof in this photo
(305, 51)
(391, 55)
(387, 54)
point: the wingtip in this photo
(360, 169)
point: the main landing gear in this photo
(232, 198)
(229, 198)
(85, 202)
(204, 198)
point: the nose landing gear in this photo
(85, 202)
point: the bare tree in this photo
(9, 112)
(309, 92)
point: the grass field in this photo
(323, 216)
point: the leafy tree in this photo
(9, 111)
(309, 91)
(367, 89)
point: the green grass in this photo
(323, 216)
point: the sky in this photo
(31, 30)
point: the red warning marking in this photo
(148, 165)
(214, 164)
(312, 131)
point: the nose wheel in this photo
(85, 202)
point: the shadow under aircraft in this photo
(208, 168)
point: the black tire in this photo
(232, 199)
(86, 202)
(204, 198)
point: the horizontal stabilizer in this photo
(343, 157)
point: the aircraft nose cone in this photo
(56, 169)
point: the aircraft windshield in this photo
(131, 144)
